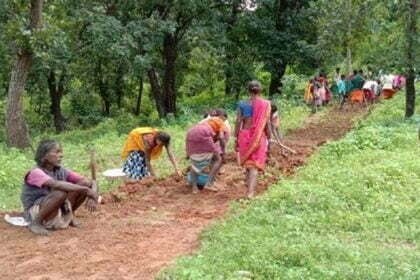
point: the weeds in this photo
(351, 213)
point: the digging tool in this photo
(284, 146)
(93, 166)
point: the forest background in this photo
(86, 72)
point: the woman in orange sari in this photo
(252, 131)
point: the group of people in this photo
(356, 87)
(51, 193)
(206, 142)
(318, 92)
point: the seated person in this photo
(203, 150)
(141, 146)
(52, 193)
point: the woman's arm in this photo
(222, 141)
(147, 154)
(269, 134)
(70, 187)
(173, 160)
(238, 124)
(148, 164)
(91, 204)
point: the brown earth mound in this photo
(143, 227)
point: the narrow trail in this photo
(143, 227)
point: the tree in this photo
(411, 37)
(342, 26)
(236, 46)
(16, 130)
(175, 19)
(391, 42)
(4, 54)
(286, 39)
(103, 54)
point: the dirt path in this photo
(153, 223)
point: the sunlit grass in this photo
(351, 213)
(107, 140)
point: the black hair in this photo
(163, 137)
(361, 71)
(206, 113)
(337, 69)
(219, 112)
(354, 72)
(273, 108)
(343, 76)
(44, 147)
(254, 86)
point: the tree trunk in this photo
(275, 82)
(119, 84)
(156, 91)
(230, 55)
(103, 90)
(16, 130)
(169, 78)
(140, 94)
(56, 93)
(228, 76)
(349, 37)
(411, 35)
(348, 60)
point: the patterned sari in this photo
(133, 153)
(252, 142)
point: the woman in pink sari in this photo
(252, 131)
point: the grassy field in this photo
(352, 212)
(107, 139)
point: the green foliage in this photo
(2, 120)
(82, 108)
(351, 213)
(204, 74)
(107, 139)
(14, 165)
(293, 87)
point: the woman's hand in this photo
(92, 194)
(91, 205)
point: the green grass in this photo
(107, 138)
(352, 213)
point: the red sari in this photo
(252, 142)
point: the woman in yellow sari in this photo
(142, 145)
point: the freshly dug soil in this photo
(143, 227)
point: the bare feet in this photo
(38, 229)
(195, 190)
(211, 188)
(75, 223)
(219, 186)
(250, 194)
